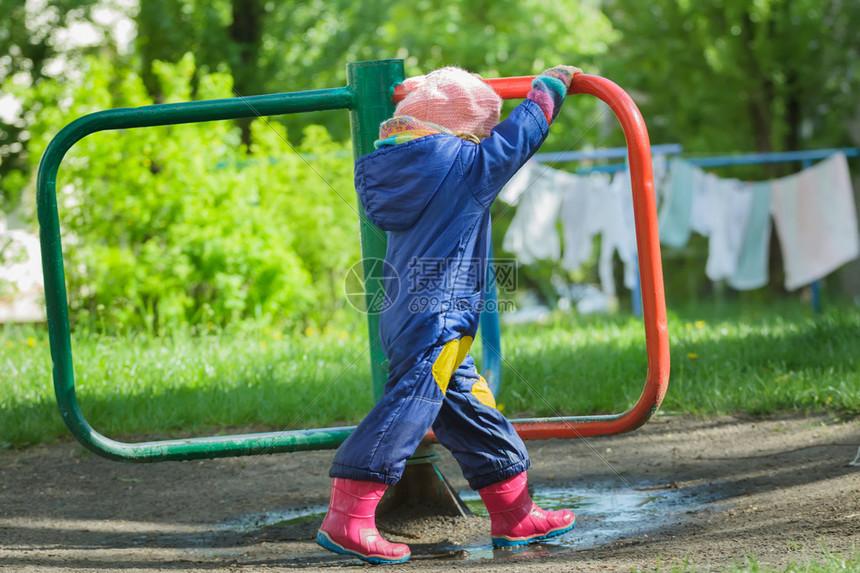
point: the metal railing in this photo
(370, 93)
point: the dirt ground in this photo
(781, 489)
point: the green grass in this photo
(731, 359)
(180, 385)
(757, 361)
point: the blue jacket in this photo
(432, 197)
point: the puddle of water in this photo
(604, 515)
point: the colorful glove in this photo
(563, 73)
(549, 89)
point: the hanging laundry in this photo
(719, 209)
(751, 270)
(611, 213)
(816, 221)
(586, 206)
(597, 187)
(674, 218)
(729, 203)
(575, 217)
(659, 170)
(519, 183)
(702, 206)
(625, 232)
(532, 234)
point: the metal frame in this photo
(650, 266)
(370, 94)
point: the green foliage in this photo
(181, 225)
(733, 75)
(304, 46)
(30, 43)
(505, 38)
(726, 76)
(186, 224)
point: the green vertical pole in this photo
(372, 84)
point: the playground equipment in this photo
(370, 94)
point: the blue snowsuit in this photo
(432, 197)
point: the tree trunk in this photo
(246, 31)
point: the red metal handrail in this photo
(650, 265)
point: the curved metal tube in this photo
(650, 265)
(650, 268)
(55, 285)
(329, 438)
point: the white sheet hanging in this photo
(575, 216)
(816, 220)
(532, 234)
(611, 216)
(730, 202)
(703, 209)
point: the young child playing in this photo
(440, 162)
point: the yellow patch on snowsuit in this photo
(452, 355)
(481, 391)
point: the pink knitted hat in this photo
(453, 98)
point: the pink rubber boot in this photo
(515, 519)
(349, 526)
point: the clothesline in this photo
(607, 153)
(700, 160)
(813, 211)
(775, 157)
(806, 157)
(726, 243)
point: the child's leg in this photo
(375, 454)
(482, 440)
(494, 460)
(378, 448)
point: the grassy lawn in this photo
(730, 359)
(753, 360)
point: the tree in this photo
(737, 76)
(732, 75)
(29, 43)
(276, 47)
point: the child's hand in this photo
(547, 93)
(563, 73)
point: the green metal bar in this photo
(55, 287)
(373, 84)
(368, 95)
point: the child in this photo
(440, 162)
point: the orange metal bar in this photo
(650, 265)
